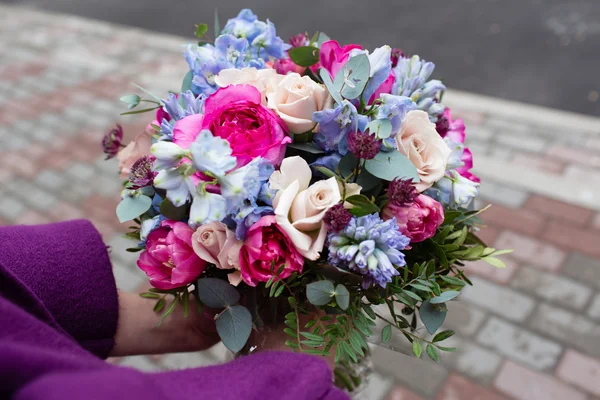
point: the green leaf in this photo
(382, 128)
(365, 179)
(217, 293)
(171, 212)
(291, 344)
(443, 336)
(132, 100)
(201, 30)
(160, 304)
(139, 111)
(185, 302)
(331, 88)
(327, 172)
(432, 353)
(392, 165)
(452, 280)
(362, 205)
(312, 336)
(496, 262)
(132, 207)
(420, 287)
(353, 76)
(342, 296)
(444, 297)
(416, 348)
(413, 295)
(320, 293)
(304, 56)
(234, 325)
(308, 147)
(448, 349)
(432, 316)
(386, 333)
(149, 295)
(217, 23)
(187, 83)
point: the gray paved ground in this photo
(537, 51)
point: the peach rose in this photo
(262, 79)
(216, 244)
(295, 98)
(420, 143)
(300, 208)
(136, 149)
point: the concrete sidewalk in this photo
(530, 331)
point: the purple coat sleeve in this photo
(59, 312)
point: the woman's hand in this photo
(138, 333)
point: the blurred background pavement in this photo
(530, 331)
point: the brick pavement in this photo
(530, 331)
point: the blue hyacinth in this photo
(370, 246)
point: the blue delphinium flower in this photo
(245, 183)
(394, 109)
(187, 104)
(147, 226)
(206, 207)
(212, 154)
(411, 80)
(329, 161)
(246, 215)
(335, 124)
(205, 62)
(370, 246)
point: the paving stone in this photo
(521, 220)
(594, 309)
(541, 163)
(503, 195)
(573, 238)
(419, 376)
(524, 384)
(379, 386)
(489, 272)
(81, 171)
(583, 268)
(519, 344)
(577, 155)
(559, 210)
(475, 361)
(534, 252)
(570, 328)
(460, 388)
(10, 208)
(554, 288)
(463, 318)
(50, 179)
(142, 363)
(522, 142)
(500, 300)
(580, 370)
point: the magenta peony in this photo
(235, 113)
(266, 248)
(169, 259)
(420, 220)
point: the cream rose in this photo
(300, 208)
(216, 244)
(265, 80)
(295, 98)
(422, 145)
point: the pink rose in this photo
(136, 149)
(235, 113)
(216, 244)
(420, 220)
(454, 129)
(266, 245)
(333, 57)
(169, 259)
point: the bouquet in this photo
(307, 186)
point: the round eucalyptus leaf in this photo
(217, 293)
(234, 325)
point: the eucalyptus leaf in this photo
(132, 207)
(309, 147)
(186, 84)
(362, 205)
(386, 333)
(353, 76)
(382, 128)
(132, 100)
(389, 166)
(444, 297)
(234, 325)
(322, 38)
(304, 56)
(217, 23)
(331, 88)
(432, 316)
(320, 293)
(342, 296)
(217, 293)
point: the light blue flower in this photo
(266, 194)
(247, 215)
(233, 49)
(147, 226)
(245, 183)
(191, 105)
(380, 67)
(167, 154)
(245, 25)
(177, 183)
(329, 161)
(205, 62)
(370, 246)
(455, 159)
(335, 124)
(411, 80)
(394, 109)
(212, 154)
(268, 45)
(206, 207)
(454, 190)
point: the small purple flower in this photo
(397, 54)
(401, 192)
(299, 40)
(363, 145)
(442, 125)
(141, 173)
(111, 142)
(337, 218)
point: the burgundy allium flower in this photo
(141, 173)
(442, 125)
(397, 54)
(299, 40)
(401, 192)
(111, 142)
(337, 218)
(363, 145)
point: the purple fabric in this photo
(58, 317)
